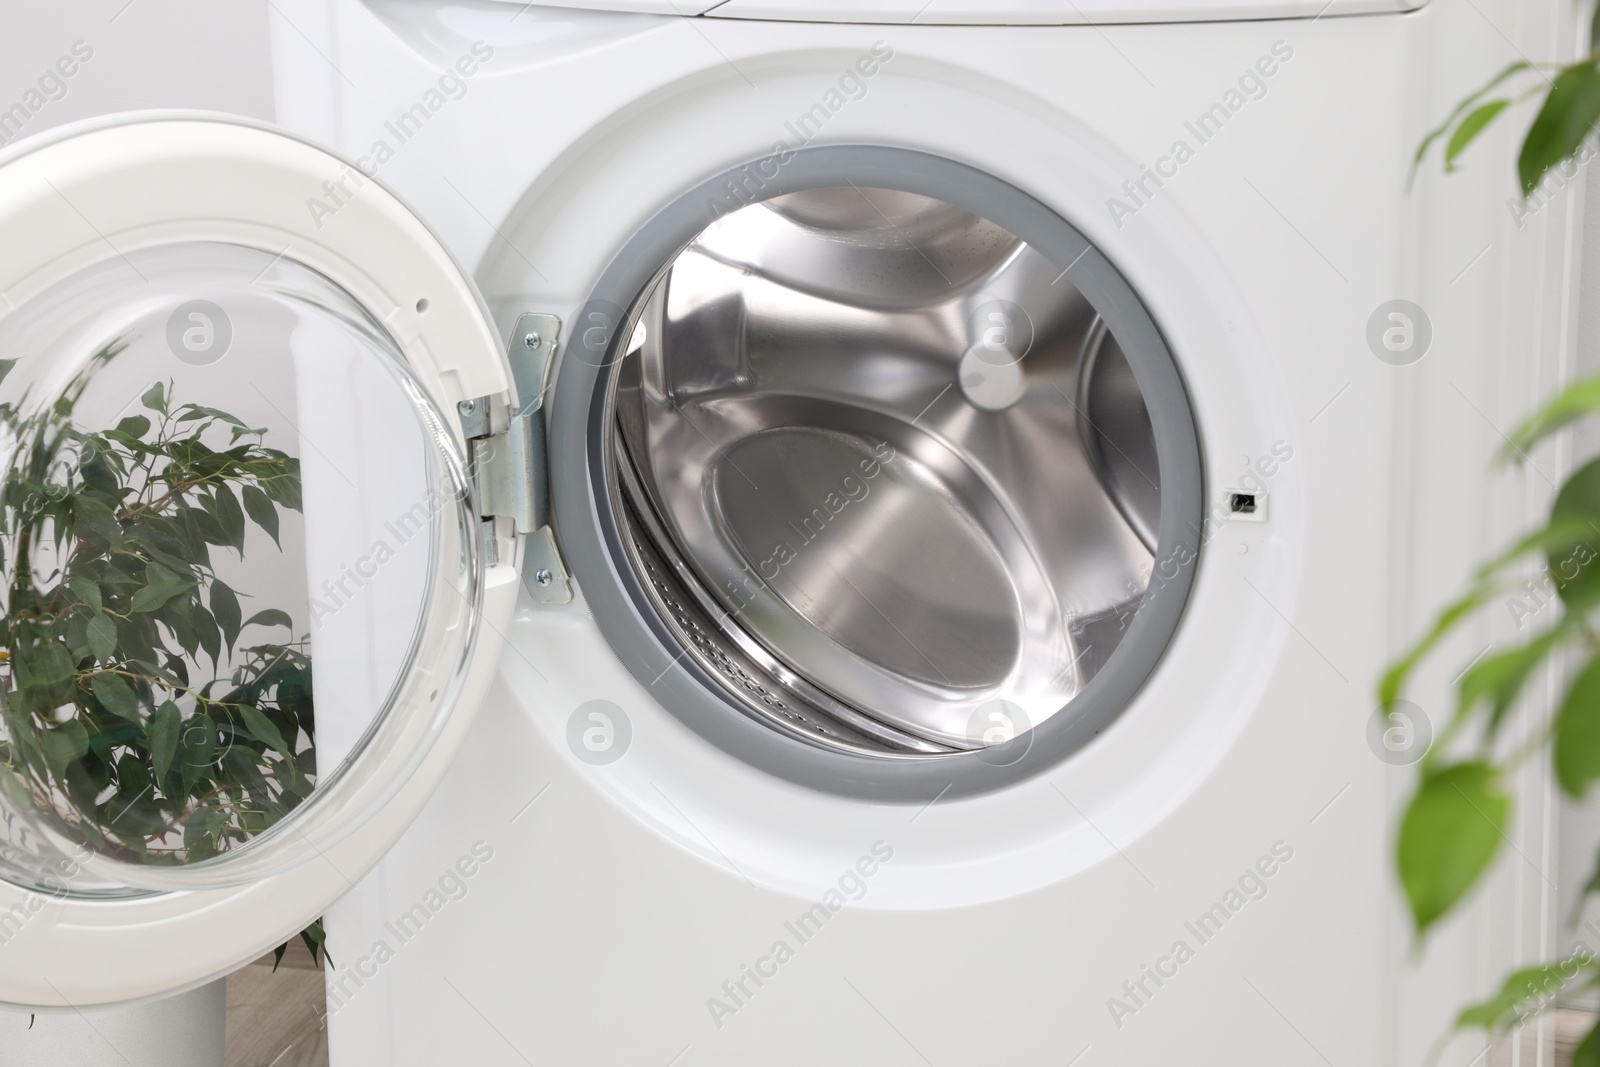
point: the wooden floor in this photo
(1558, 1032)
(275, 1019)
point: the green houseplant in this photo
(144, 713)
(1456, 821)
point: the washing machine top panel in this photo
(244, 565)
(997, 12)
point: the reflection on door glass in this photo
(215, 481)
(142, 701)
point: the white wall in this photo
(208, 54)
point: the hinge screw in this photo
(533, 340)
(543, 577)
(467, 407)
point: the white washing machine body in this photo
(643, 848)
(648, 907)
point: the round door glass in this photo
(231, 523)
(885, 472)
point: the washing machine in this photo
(882, 558)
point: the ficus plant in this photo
(1567, 115)
(1457, 820)
(144, 712)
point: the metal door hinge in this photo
(506, 474)
(510, 466)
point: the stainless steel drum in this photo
(884, 469)
(876, 473)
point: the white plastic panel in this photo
(1041, 12)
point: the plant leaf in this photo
(134, 426)
(230, 517)
(164, 726)
(261, 511)
(1394, 679)
(283, 486)
(190, 412)
(1461, 109)
(1577, 501)
(225, 609)
(103, 638)
(270, 617)
(63, 745)
(86, 589)
(44, 665)
(1470, 128)
(1576, 746)
(1451, 831)
(262, 729)
(1587, 1054)
(1569, 114)
(1556, 540)
(1524, 993)
(162, 585)
(91, 515)
(1500, 678)
(197, 750)
(316, 937)
(116, 694)
(1577, 400)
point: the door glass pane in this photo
(222, 514)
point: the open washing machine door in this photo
(262, 515)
